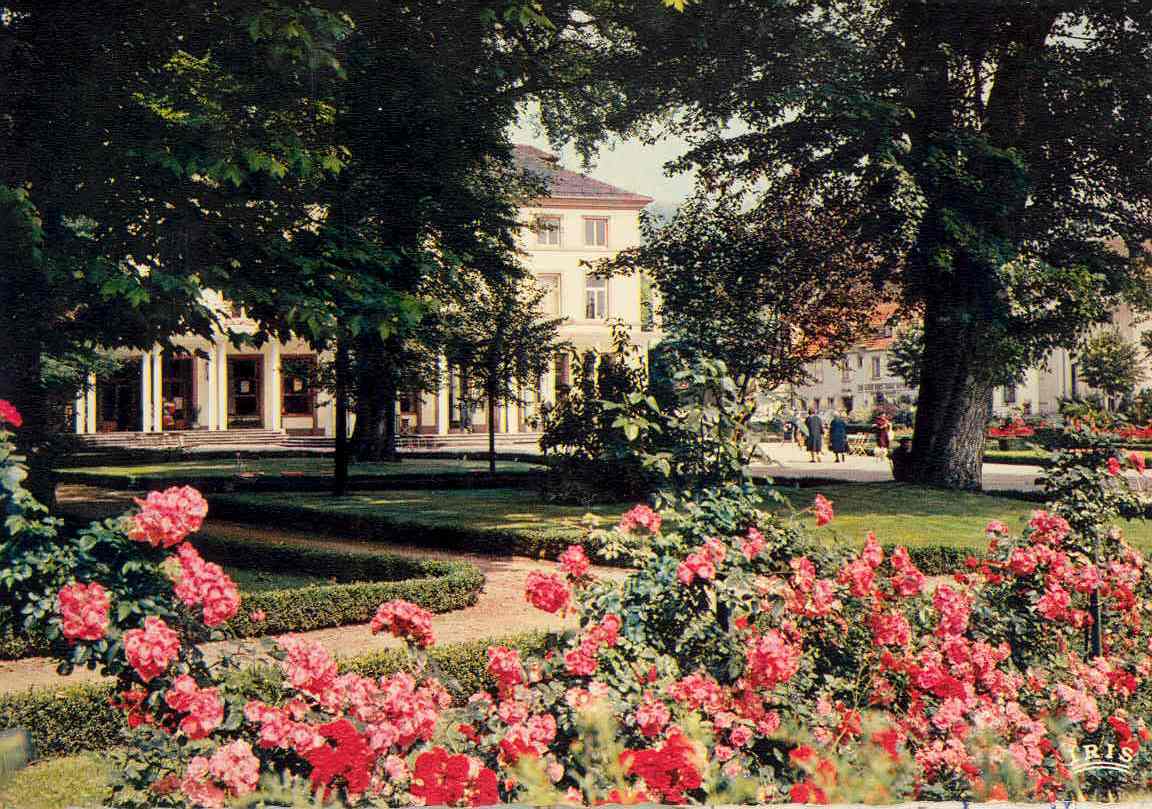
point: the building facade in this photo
(216, 385)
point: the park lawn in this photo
(484, 509)
(318, 466)
(56, 783)
(902, 514)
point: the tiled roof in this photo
(881, 317)
(565, 184)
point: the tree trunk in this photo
(952, 410)
(21, 385)
(491, 430)
(340, 479)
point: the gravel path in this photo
(500, 611)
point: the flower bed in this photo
(83, 718)
(739, 662)
(366, 580)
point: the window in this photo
(875, 367)
(550, 303)
(845, 372)
(1009, 394)
(859, 360)
(596, 232)
(846, 403)
(548, 230)
(595, 297)
(297, 377)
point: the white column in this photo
(273, 394)
(548, 385)
(80, 414)
(90, 404)
(146, 409)
(157, 390)
(514, 413)
(443, 417)
(210, 396)
(221, 385)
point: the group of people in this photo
(809, 433)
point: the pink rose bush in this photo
(739, 660)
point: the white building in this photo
(220, 386)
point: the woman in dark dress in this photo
(838, 437)
(815, 434)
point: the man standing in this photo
(815, 434)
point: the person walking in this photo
(883, 429)
(815, 434)
(838, 436)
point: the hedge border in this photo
(377, 529)
(80, 718)
(472, 479)
(371, 578)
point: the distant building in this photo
(218, 386)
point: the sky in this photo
(629, 164)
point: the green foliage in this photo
(906, 355)
(1110, 362)
(590, 455)
(763, 287)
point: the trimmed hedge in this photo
(81, 718)
(538, 543)
(477, 479)
(370, 579)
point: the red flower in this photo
(83, 611)
(807, 792)
(1137, 461)
(203, 706)
(349, 758)
(9, 414)
(669, 771)
(504, 666)
(822, 507)
(1113, 466)
(442, 779)
(547, 591)
(802, 755)
(404, 620)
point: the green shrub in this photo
(78, 718)
(538, 543)
(369, 580)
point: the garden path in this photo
(501, 609)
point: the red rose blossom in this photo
(83, 611)
(9, 414)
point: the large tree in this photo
(145, 149)
(766, 289)
(1003, 148)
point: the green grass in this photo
(914, 516)
(252, 580)
(71, 781)
(505, 509)
(319, 466)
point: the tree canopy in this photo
(1001, 150)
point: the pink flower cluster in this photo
(83, 611)
(203, 707)
(771, 659)
(547, 592)
(582, 661)
(231, 772)
(640, 518)
(403, 619)
(166, 518)
(152, 649)
(505, 667)
(574, 562)
(701, 564)
(310, 669)
(822, 508)
(206, 584)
